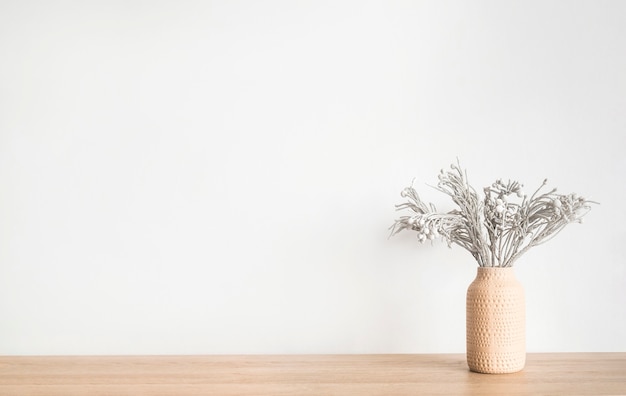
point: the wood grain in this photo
(545, 374)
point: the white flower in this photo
(495, 231)
(500, 205)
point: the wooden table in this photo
(545, 374)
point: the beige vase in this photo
(496, 320)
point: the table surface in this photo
(441, 374)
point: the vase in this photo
(496, 320)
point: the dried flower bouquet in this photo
(496, 230)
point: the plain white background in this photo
(198, 177)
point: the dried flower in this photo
(496, 230)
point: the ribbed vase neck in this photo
(495, 273)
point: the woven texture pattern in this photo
(496, 339)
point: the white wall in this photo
(218, 177)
